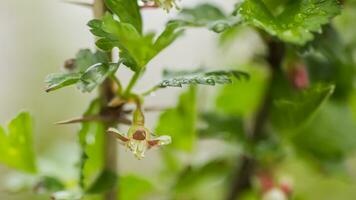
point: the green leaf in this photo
(104, 182)
(243, 98)
(134, 188)
(329, 61)
(206, 15)
(295, 23)
(180, 78)
(95, 75)
(16, 148)
(90, 70)
(180, 122)
(229, 128)
(293, 111)
(136, 50)
(172, 31)
(91, 139)
(330, 136)
(127, 10)
(60, 80)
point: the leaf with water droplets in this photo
(200, 77)
(296, 21)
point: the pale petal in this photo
(114, 132)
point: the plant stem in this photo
(106, 94)
(150, 91)
(132, 83)
(118, 83)
(247, 166)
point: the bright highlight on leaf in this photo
(16, 148)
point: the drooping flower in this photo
(139, 139)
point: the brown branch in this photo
(247, 166)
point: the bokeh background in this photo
(35, 39)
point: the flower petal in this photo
(114, 132)
(159, 141)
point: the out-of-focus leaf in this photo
(48, 184)
(104, 182)
(90, 70)
(180, 122)
(128, 12)
(16, 147)
(330, 61)
(180, 78)
(207, 15)
(132, 187)
(293, 111)
(194, 181)
(329, 137)
(295, 23)
(91, 139)
(225, 127)
(243, 98)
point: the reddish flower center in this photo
(139, 135)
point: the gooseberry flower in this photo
(139, 139)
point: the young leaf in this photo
(180, 78)
(91, 139)
(292, 112)
(297, 21)
(90, 70)
(16, 148)
(136, 50)
(206, 15)
(127, 10)
(180, 122)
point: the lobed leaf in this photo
(136, 50)
(295, 23)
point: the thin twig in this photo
(93, 118)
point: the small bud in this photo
(69, 64)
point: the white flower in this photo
(139, 139)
